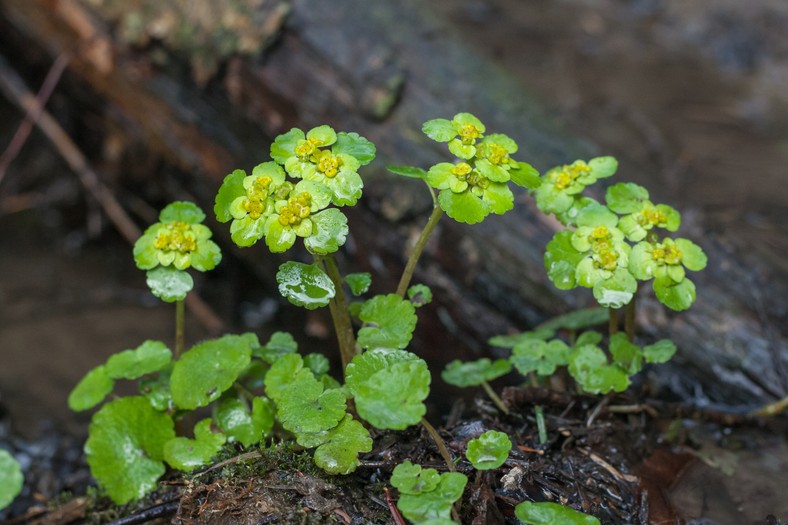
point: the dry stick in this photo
(15, 90)
(23, 131)
(439, 443)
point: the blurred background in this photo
(157, 100)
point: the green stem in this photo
(629, 320)
(613, 323)
(495, 399)
(439, 443)
(179, 328)
(407, 274)
(540, 424)
(339, 311)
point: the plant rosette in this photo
(666, 262)
(325, 156)
(177, 242)
(640, 215)
(266, 205)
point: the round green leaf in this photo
(549, 513)
(329, 233)
(91, 390)
(625, 354)
(149, 357)
(246, 231)
(317, 363)
(389, 321)
(435, 504)
(409, 478)
(660, 352)
(305, 285)
(419, 295)
(208, 369)
(187, 454)
(626, 197)
(285, 144)
(616, 291)
(561, 260)
(539, 356)
(324, 135)
(125, 447)
(676, 296)
(692, 255)
(525, 176)
(603, 167)
(474, 373)
(589, 368)
(358, 282)
(439, 130)
(489, 450)
(282, 373)
(339, 454)
(182, 211)
(168, 283)
(11, 478)
(281, 343)
(240, 424)
(232, 187)
(498, 197)
(305, 407)
(356, 146)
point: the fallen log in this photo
(382, 68)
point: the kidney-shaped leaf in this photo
(389, 321)
(91, 390)
(339, 455)
(149, 357)
(187, 454)
(305, 285)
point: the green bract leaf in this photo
(232, 187)
(475, 373)
(561, 260)
(305, 285)
(692, 255)
(408, 171)
(330, 232)
(660, 352)
(358, 282)
(339, 454)
(463, 207)
(603, 167)
(435, 504)
(409, 478)
(676, 296)
(525, 175)
(625, 354)
(389, 387)
(539, 356)
(577, 319)
(439, 130)
(589, 368)
(168, 283)
(281, 343)
(284, 145)
(187, 454)
(419, 295)
(616, 291)
(182, 211)
(208, 369)
(239, 424)
(11, 478)
(149, 357)
(389, 321)
(91, 390)
(549, 513)
(626, 197)
(489, 450)
(354, 145)
(126, 447)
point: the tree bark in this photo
(381, 69)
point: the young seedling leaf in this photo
(150, 356)
(389, 387)
(389, 321)
(660, 352)
(473, 373)
(409, 478)
(358, 282)
(126, 447)
(549, 513)
(317, 363)
(339, 454)
(625, 354)
(281, 343)
(588, 366)
(187, 454)
(11, 478)
(91, 390)
(489, 451)
(419, 295)
(539, 356)
(408, 171)
(577, 319)
(168, 283)
(435, 504)
(239, 424)
(305, 285)
(208, 369)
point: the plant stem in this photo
(495, 399)
(179, 328)
(629, 320)
(613, 323)
(540, 425)
(407, 274)
(439, 443)
(339, 312)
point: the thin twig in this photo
(34, 113)
(15, 90)
(607, 466)
(149, 514)
(395, 514)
